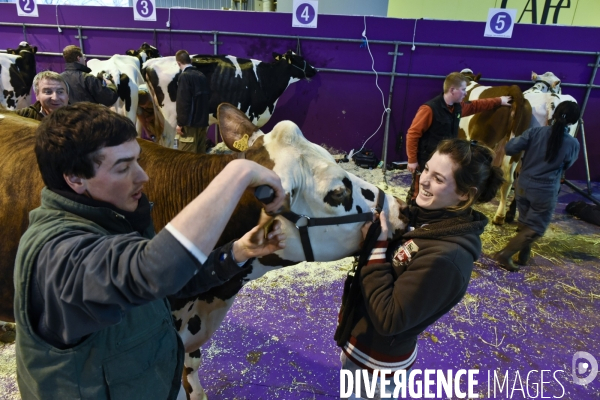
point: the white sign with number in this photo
(305, 14)
(144, 10)
(500, 22)
(27, 8)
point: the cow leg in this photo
(191, 381)
(509, 169)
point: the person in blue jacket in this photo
(549, 151)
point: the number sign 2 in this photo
(144, 10)
(500, 22)
(305, 14)
(27, 8)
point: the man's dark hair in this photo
(71, 53)
(183, 57)
(68, 141)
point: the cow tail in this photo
(158, 116)
(517, 110)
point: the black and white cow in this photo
(17, 70)
(144, 53)
(251, 85)
(125, 72)
(544, 96)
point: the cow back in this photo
(19, 193)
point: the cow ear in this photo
(533, 76)
(130, 53)
(34, 49)
(276, 56)
(237, 131)
(555, 84)
(10, 51)
(478, 77)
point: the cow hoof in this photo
(509, 218)
(498, 220)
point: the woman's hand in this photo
(265, 238)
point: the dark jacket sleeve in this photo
(572, 156)
(518, 144)
(89, 281)
(397, 302)
(106, 95)
(184, 99)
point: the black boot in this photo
(530, 236)
(520, 243)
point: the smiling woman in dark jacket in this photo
(409, 284)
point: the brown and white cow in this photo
(253, 86)
(495, 127)
(17, 70)
(316, 187)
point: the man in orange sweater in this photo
(438, 119)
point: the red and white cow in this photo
(125, 72)
(495, 127)
(17, 70)
(252, 85)
(316, 186)
(544, 96)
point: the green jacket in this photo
(140, 357)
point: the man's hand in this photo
(263, 176)
(505, 100)
(265, 238)
(412, 167)
(180, 131)
(384, 227)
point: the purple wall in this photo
(337, 109)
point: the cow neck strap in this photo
(301, 69)
(303, 222)
(550, 87)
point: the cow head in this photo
(144, 53)
(471, 77)
(23, 47)
(316, 187)
(546, 83)
(299, 68)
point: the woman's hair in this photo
(566, 113)
(473, 171)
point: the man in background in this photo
(192, 105)
(82, 85)
(51, 93)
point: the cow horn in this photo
(237, 131)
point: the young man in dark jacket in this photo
(51, 93)
(82, 85)
(438, 119)
(91, 278)
(192, 105)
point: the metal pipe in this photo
(585, 156)
(581, 192)
(24, 32)
(80, 39)
(388, 111)
(589, 89)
